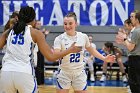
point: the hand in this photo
(45, 32)
(110, 58)
(120, 37)
(75, 49)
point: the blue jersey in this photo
(101, 52)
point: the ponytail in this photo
(26, 15)
(19, 27)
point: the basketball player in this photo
(17, 71)
(89, 59)
(72, 71)
(109, 48)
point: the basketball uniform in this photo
(87, 58)
(72, 71)
(17, 65)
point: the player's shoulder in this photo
(82, 34)
(61, 36)
(35, 31)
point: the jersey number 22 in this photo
(75, 57)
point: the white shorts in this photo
(78, 80)
(13, 81)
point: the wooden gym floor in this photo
(91, 89)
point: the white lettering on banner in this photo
(6, 12)
(120, 10)
(104, 13)
(56, 13)
(76, 5)
(38, 9)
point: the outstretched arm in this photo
(94, 52)
(45, 49)
(3, 38)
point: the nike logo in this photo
(66, 44)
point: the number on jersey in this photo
(75, 57)
(18, 39)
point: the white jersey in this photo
(72, 61)
(19, 52)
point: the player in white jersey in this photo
(17, 71)
(72, 71)
(89, 59)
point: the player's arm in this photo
(95, 53)
(3, 38)
(130, 46)
(45, 49)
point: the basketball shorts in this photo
(12, 81)
(78, 80)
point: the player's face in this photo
(127, 27)
(69, 25)
(133, 19)
(38, 24)
(90, 39)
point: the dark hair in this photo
(11, 21)
(72, 14)
(109, 45)
(128, 21)
(14, 14)
(26, 15)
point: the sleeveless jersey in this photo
(19, 52)
(72, 61)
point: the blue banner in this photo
(89, 12)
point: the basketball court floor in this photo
(109, 86)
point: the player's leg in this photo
(120, 63)
(79, 82)
(6, 82)
(25, 83)
(91, 69)
(104, 76)
(63, 82)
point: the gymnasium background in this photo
(102, 18)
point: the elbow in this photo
(51, 59)
(131, 49)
